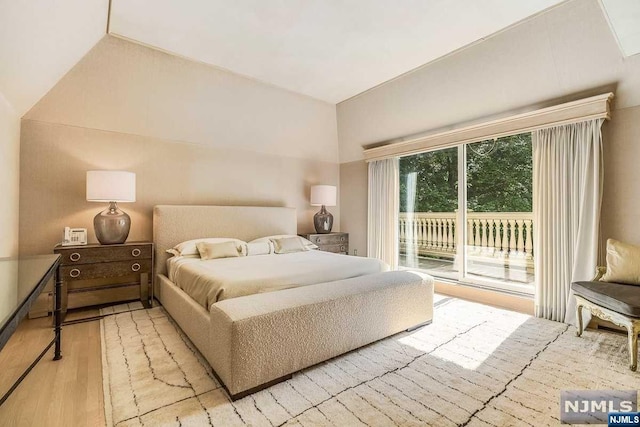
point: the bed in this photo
(255, 338)
(215, 280)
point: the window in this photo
(492, 182)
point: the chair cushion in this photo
(621, 298)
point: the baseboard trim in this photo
(522, 304)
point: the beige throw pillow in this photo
(287, 245)
(218, 250)
(190, 246)
(623, 263)
(306, 243)
(260, 248)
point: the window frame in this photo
(461, 275)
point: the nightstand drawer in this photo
(89, 255)
(332, 242)
(335, 248)
(103, 296)
(105, 269)
(330, 239)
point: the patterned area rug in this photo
(121, 308)
(475, 365)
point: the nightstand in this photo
(330, 242)
(103, 274)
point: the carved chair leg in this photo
(579, 319)
(631, 324)
(633, 347)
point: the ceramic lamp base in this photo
(112, 225)
(323, 221)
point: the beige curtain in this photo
(567, 193)
(384, 203)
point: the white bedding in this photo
(209, 281)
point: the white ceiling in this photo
(624, 17)
(40, 40)
(328, 49)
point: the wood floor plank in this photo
(67, 392)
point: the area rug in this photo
(121, 308)
(473, 366)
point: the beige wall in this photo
(566, 53)
(354, 199)
(192, 133)
(124, 87)
(621, 201)
(54, 159)
(9, 178)
(39, 42)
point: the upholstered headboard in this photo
(173, 224)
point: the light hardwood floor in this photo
(67, 392)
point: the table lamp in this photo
(323, 195)
(111, 225)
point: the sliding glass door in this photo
(499, 245)
(466, 213)
(428, 206)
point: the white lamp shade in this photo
(111, 186)
(323, 195)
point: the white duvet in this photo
(209, 281)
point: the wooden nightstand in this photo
(330, 242)
(102, 274)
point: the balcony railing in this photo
(494, 237)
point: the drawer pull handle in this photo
(135, 267)
(343, 248)
(342, 239)
(74, 256)
(135, 252)
(74, 273)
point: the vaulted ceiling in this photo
(624, 18)
(40, 40)
(327, 49)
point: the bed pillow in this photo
(623, 263)
(259, 248)
(308, 244)
(288, 245)
(218, 250)
(189, 247)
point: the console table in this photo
(21, 281)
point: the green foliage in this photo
(499, 177)
(436, 188)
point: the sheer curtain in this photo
(384, 202)
(567, 193)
